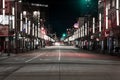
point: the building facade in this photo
(101, 33)
(20, 26)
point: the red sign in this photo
(0, 6)
(3, 30)
(8, 7)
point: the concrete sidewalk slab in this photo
(5, 56)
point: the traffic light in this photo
(64, 35)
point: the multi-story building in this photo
(103, 32)
(7, 25)
(114, 25)
(20, 26)
(109, 25)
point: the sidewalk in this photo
(99, 52)
(5, 56)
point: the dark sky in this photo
(62, 14)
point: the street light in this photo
(24, 13)
(76, 26)
(36, 15)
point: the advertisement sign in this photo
(3, 30)
(4, 20)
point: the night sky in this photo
(62, 14)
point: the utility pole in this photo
(16, 29)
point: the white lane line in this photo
(34, 58)
(59, 58)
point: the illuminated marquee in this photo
(6, 19)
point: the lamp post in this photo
(16, 25)
(16, 29)
(36, 15)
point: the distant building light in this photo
(42, 28)
(99, 1)
(41, 5)
(106, 18)
(57, 44)
(76, 25)
(97, 39)
(92, 37)
(100, 22)
(93, 25)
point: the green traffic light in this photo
(64, 35)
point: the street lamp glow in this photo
(76, 25)
(42, 28)
(35, 13)
(20, 1)
(24, 13)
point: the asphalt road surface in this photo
(60, 63)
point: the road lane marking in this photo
(59, 58)
(34, 58)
